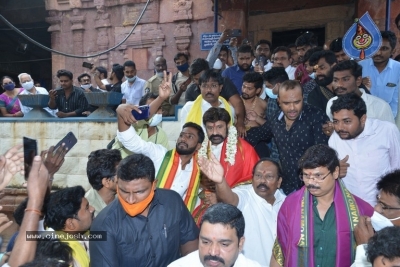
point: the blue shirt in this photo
(235, 74)
(385, 85)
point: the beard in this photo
(185, 151)
(325, 81)
(244, 67)
(246, 96)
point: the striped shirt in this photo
(76, 101)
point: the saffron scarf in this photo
(294, 245)
(167, 172)
(196, 114)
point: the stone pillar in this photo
(102, 25)
(183, 32)
(77, 29)
(58, 62)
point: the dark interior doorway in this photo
(285, 38)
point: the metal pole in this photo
(215, 15)
(387, 24)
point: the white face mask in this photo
(28, 85)
(86, 86)
(155, 120)
(270, 93)
(131, 80)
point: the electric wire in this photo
(70, 55)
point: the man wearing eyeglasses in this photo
(315, 223)
(367, 147)
(260, 203)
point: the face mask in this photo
(160, 74)
(86, 86)
(157, 118)
(312, 75)
(28, 85)
(269, 92)
(9, 86)
(137, 208)
(131, 80)
(183, 68)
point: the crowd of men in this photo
(286, 157)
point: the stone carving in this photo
(55, 27)
(102, 18)
(75, 3)
(183, 9)
(76, 20)
(182, 34)
(131, 13)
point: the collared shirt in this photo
(95, 200)
(39, 91)
(376, 107)
(305, 132)
(272, 108)
(261, 222)
(133, 92)
(385, 84)
(290, 72)
(193, 260)
(153, 241)
(324, 236)
(76, 101)
(235, 74)
(319, 97)
(228, 90)
(114, 87)
(204, 107)
(374, 152)
(131, 141)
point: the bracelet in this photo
(35, 211)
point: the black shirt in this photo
(142, 241)
(76, 101)
(305, 132)
(114, 87)
(319, 97)
(228, 90)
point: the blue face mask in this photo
(183, 67)
(131, 80)
(9, 86)
(270, 93)
(312, 75)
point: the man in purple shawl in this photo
(316, 223)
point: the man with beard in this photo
(221, 240)
(295, 128)
(347, 77)
(116, 76)
(315, 224)
(152, 84)
(303, 43)
(337, 48)
(282, 56)
(322, 62)
(259, 202)
(384, 72)
(235, 73)
(360, 141)
(262, 61)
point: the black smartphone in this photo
(30, 151)
(87, 65)
(142, 116)
(69, 140)
(236, 33)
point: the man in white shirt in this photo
(282, 56)
(26, 82)
(133, 87)
(367, 147)
(260, 203)
(221, 240)
(347, 77)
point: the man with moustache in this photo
(221, 240)
(337, 48)
(360, 141)
(116, 76)
(282, 56)
(315, 224)
(322, 61)
(347, 77)
(384, 72)
(303, 43)
(262, 61)
(295, 128)
(133, 86)
(260, 203)
(236, 72)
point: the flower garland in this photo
(231, 147)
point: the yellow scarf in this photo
(196, 115)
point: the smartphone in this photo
(30, 151)
(236, 33)
(142, 116)
(87, 65)
(69, 140)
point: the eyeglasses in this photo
(207, 86)
(316, 177)
(383, 206)
(259, 177)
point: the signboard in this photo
(208, 40)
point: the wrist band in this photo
(34, 211)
